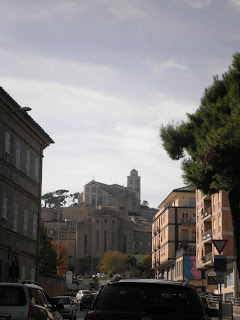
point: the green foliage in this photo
(47, 262)
(145, 267)
(209, 142)
(59, 198)
(115, 262)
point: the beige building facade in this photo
(174, 238)
(214, 222)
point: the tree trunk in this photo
(234, 200)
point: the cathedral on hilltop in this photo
(104, 195)
(107, 218)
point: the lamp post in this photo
(22, 109)
(68, 221)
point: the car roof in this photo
(151, 281)
(16, 284)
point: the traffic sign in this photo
(220, 277)
(220, 263)
(219, 245)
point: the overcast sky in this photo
(102, 76)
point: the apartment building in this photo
(22, 142)
(214, 222)
(174, 238)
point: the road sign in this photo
(220, 277)
(220, 263)
(219, 245)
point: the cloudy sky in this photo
(102, 76)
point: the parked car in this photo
(148, 299)
(68, 308)
(86, 301)
(81, 293)
(26, 301)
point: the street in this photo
(81, 314)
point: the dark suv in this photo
(147, 299)
(26, 301)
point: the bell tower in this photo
(134, 182)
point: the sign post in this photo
(220, 266)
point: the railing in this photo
(207, 235)
(215, 298)
(207, 212)
(188, 221)
(182, 251)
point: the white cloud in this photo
(199, 4)
(160, 66)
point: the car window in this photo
(34, 296)
(12, 296)
(42, 298)
(49, 300)
(167, 299)
(61, 300)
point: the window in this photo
(219, 197)
(214, 200)
(85, 244)
(34, 227)
(185, 234)
(7, 146)
(97, 240)
(229, 277)
(18, 155)
(36, 175)
(32, 275)
(23, 275)
(219, 221)
(15, 217)
(4, 208)
(105, 241)
(28, 163)
(214, 224)
(25, 222)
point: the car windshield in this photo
(12, 296)
(150, 298)
(87, 297)
(86, 291)
(61, 300)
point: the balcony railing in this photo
(188, 221)
(207, 257)
(182, 251)
(207, 212)
(207, 235)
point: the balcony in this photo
(207, 236)
(190, 221)
(207, 214)
(182, 251)
(207, 260)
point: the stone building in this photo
(108, 217)
(97, 193)
(22, 142)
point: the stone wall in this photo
(53, 285)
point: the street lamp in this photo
(68, 221)
(22, 109)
